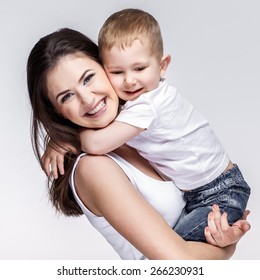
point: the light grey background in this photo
(215, 64)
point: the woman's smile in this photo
(80, 90)
(98, 109)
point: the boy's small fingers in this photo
(60, 163)
(61, 167)
(46, 166)
(54, 170)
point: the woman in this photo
(120, 193)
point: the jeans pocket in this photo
(220, 197)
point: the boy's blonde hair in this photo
(125, 26)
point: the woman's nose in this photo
(87, 98)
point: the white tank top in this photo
(164, 196)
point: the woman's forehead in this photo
(72, 65)
(68, 72)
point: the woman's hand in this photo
(220, 233)
(53, 158)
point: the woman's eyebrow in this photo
(61, 93)
(83, 75)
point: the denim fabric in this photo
(229, 191)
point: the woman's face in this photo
(80, 91)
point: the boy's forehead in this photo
(124, 42)
(120, 46)
(129, 57)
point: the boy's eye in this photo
(66, 97)
(87, 79)
(139, 69)
(116, 72)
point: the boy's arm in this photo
(107, 139)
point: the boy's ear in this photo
(165, 61)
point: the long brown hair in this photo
(46, 123)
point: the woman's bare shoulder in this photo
(95, 179)
(91, 163)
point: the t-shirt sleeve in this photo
(139, 113)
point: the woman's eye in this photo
(87, 79)
(66, 97)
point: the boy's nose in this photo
(130, 79)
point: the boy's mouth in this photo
(133, 91)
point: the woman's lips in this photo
(100, 105)
(95, 111)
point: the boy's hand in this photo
(53, 159)
(220, 233)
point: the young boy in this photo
(162, 126)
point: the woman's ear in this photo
(165, 61)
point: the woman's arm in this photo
(106, 191)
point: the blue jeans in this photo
(229, 191)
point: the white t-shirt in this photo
(164, 196)
(177, 140)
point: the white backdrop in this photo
(215, 64)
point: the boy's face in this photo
(132, 70)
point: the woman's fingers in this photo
(214, 223)
(246, 213)
(217, 225)
(217, 216)
(209, 237)
(224, 222)
(243, 224)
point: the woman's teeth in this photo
(98, 108)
